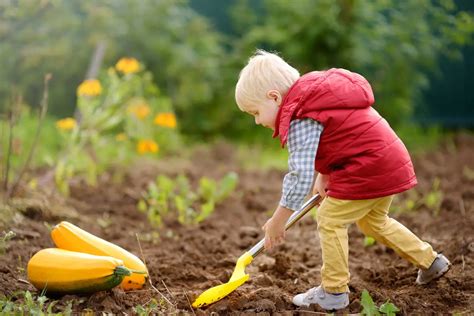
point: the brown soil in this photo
(184, 261)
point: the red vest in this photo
(358, 149)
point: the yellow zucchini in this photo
(70, 237)
(59, 271)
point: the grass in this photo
(262, 156)
(418, 139)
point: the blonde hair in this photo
(264, 72)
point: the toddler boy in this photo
(327, 121)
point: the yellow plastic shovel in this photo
(239, 276)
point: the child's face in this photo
(265, 112)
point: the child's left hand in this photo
(274, 233)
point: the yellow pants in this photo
(334, 217)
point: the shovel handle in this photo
(312, 202)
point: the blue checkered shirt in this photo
(303, 141)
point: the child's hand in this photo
(274, 233)
(320, 184)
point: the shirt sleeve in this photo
(303, 141)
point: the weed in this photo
(370, 309)
(30, 305)
(151, 308)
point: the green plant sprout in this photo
(434, 198)
(155, 200)
(411, 203)
(165, 196)
(388, 309)
(29, 305)
(153, 307)
(184, 199)
(4, 240)
(416, 199)
(368, 306)
(369, 241)
(370, 309)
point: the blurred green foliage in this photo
(26, 122)
(4, 241)
(420, 139)
(59, 36)
(128, 116)
(395, 44)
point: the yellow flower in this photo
(66, 124)
(147, 146)
(128, 65)
(90, 87)
(121, 137)
(140, 110)
(165, 119)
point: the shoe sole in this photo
(338, 307)
(328, 308)
(437, 275)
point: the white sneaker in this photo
(439, 267)
(317, 295)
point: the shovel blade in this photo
(216, 293)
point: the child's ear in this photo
(274, 95)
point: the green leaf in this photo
(369, 241)
(28, 298)
(226, 186)
(389, 308)
(152, 190)
(207, 188)
(410, 204)
(142, 206)
(206, 210)
(368, 306)
(165, 184)
(180, 203)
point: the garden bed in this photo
(185, 260)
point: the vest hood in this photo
(324, 90)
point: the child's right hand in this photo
(320, 184)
